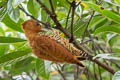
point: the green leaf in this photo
(102, 22)
(116, 76)
(23, 65)
(41, 69)
(13, 13)
(20, 70)
(95, 21)
(11, 24)
(55, 4)
(3, 9)
(33, 7)
(117, 50)
(109, 14)
(10, 40)
(14, 57)
(63, 3)
(2, 31)
(3, 2)
(5, 79)
(107, 28)
(24, 62)
(80, 30)
(17, 2)
(3, 49)
(118, 2)
(44, 16)
(113, 39)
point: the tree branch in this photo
(53, 11)
(31, 16)
(83, 36)
(73, 5)
(67, 18)
(68, 1)
(60, 72)
(59, 26)
(85, 42)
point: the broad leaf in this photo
(10, 40)
(13, 13)
(44, 16)
(113, 28)
(109, 14)
(63, 3)
(23, 65)
(11, 24)
(2, 31)
(80, 30)
(3, 49)
(20, 70)
(41, 69)
(113, 40)
(33, 7)
(95, 21)
(14, 57)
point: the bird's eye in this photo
(37, 24)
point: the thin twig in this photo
(75, 72)
(60, 72)
(98, 50)
(118, 9)
(44, 7)
(31, 16)
(51, 4)
(94, 71)
(29, 75)
(67, 18)
(87, 26)
(38, 78)
(85, 42)
(99, 72)
(68, 1)
(22, 77)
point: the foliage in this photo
(100, 17)
(116, 76)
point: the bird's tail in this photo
(82, 56)
(80, 64)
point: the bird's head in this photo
(32, 26)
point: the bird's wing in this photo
(54, 49)
(55, 34)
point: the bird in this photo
(48, 44)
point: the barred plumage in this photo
(55, 34)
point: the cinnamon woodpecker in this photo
(47, 44)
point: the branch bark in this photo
(73, 5)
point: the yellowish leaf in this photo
(84, 5)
